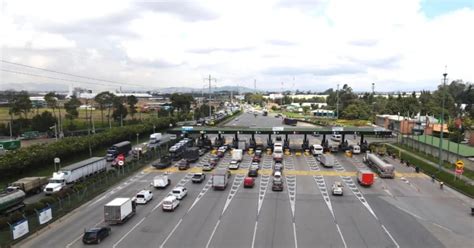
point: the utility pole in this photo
(337, 102)
(442, 122)
(210, 109)
(255, 86)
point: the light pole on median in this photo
(442, 123)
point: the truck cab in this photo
(55, 184)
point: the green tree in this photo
(357, 110)
(132, 102)
(104, 100)
(306, 109)
(71, 108)
(43, 122)
(120, 111)
(21, 104)
(181, 102)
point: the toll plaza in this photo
(281, 131)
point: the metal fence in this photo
(81, 193)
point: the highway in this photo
(408, 211)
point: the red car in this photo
(249, 182)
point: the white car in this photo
(170, 203)
(234, 165)
(179, 192)
(144, 196)
(255, 166)
(337, 188)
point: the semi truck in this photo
(11, 200)
(383, 168)
(140, 151)
(29, 184)
(289, 121)
(123, 148)
(73, 173)
(191, 154)
(220, 178)
(155, 138)
(119, 210)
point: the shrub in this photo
(48, 200)
(30, 208)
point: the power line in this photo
(67, 74)
(55, 78)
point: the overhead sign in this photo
(57, 160)
(379, 129)
(45, 215)
(20, 229)
(187, 128)
(277, 129)
(337, 129)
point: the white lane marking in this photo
(410, 213)
(254, 234)
(201, 194)
(126, 234)
(171, 233)
(264, 182)
(294, 234)
(442, 227)
(391, 237)
(233, 191)
(388, 192)
(76, 239)
(340, 234)
(212, 234)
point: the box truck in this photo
(327, 160)
(365, 177)
(29, 184)
(74, 172)
(155, 138)
(237, 155)
(220, 178)
(161, 181)
(119, 210)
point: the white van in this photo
(144, 196)
(170, 203)
(356, 149)
(327, 160)
(317, 150)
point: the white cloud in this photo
(319, 43)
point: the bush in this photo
(36, 156)
(48, 200)
(3, 222)
(30, 208)
(15, 216)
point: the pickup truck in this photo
(198, 177)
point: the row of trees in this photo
(459, 100)
(20, 105)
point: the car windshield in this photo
(90, 235)
(140, 196)
(167, 202)
(177, 191)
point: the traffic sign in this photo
(187, 128)
(337, 129)
(278, 128)
(120, 162)
(459, 165)
(57, 160)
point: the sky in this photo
(400, 45)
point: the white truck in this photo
(73, 173)
(119, 210)
(237, 155)
(155, 138)
(278, 152)
(161, 181)
(317, 150)
(327, 160)
(220, 178)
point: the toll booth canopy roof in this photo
(280, 130)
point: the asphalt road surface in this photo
(407, 211)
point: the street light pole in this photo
(337, 102)
(442, 123)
